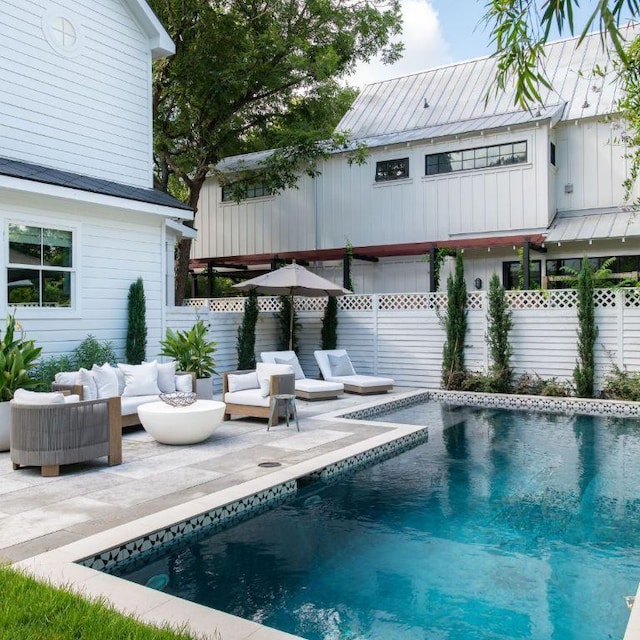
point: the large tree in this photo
(245, 73)
(521, 28)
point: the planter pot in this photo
(5, 425)
(204, 388)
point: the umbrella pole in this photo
(291, 324)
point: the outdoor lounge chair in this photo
(336, 366)
(306, 388)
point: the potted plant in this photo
(17, 359)
(193, 351)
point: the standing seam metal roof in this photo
(456, 93)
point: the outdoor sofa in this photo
(335, 365)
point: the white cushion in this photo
(72, 397)
(364, 381)
(252, 397)
(310, 385)
(340, 365)
(166, 375)
(106, 380)
(184, 382)
(242, 381)
(88, 382)
(120, 377)
(265, 370)
(24, 396)
(129, 404)
(140, 379)
(67, 378)
(293, 363)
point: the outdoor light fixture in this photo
(477, 283)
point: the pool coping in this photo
(60, 566)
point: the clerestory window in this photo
(497, 155)
(392, 169)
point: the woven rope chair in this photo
(50, 435)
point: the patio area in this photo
(41, 514)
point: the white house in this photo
(445, 170)
(79, 217)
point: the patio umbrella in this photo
(292, 280)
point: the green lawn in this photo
(30, 610)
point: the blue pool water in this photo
(505, 525)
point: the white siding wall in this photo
(592, 159)
(88, 114)
(114, 248)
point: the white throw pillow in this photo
(88, 382)
(73, 397)
(120, 377)
(24, 396)
(67, 378)
(140, 379)
(265, 370)
(166, 375)
(340, 365)
(184, 383)
(293, 362)
(106, 380)
(242, 381)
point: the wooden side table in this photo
(289, 401)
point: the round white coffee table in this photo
(181, 425)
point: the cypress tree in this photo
(136, 345)
(329, 333)
(246, 345)
(500, 324)
(285, 320)
(456, 328)
(584, 371)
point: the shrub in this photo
(622, 385)
(45, 371)
(537, 386)
(584, 371)
(500, 349)
(329, 333)
(455, 323)
(286, 310)
(246, 344)
(90, 352)
(136, 346)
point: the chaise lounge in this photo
(335, 366)
(306, 388)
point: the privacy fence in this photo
(402, 335)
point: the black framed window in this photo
(552, 154)
(511, 274)
(257, 190)
(561, 272)
(392, 169)
(40, 269)
(478, 158)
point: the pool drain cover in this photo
(269, 464)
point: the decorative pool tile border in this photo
(142, 549)
(371, 456)
(585, 406)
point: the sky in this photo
(437, 32)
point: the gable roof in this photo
(159, 40)
(443, 99)
(38, 173)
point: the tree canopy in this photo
(252, 73)
(521, 28)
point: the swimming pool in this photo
(504, 525)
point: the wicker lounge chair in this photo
(336, 366)
(50, 435)
(306, 388)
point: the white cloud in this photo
(424, 46)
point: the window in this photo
(392, 169)
(479, 158)
(552, 154)
(63, 31)
(511, 274)
(625, 270)
(257, 190)
(40, 269)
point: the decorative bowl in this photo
(179, 398)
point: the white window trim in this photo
(48, 17)
(75, 310)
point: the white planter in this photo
(204, 388)
(5, 425)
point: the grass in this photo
(30, 610)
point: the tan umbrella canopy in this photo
(292, 280)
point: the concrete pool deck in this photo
(47, 523)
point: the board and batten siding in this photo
(402, 335)
(113, 248)
(88, 113)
